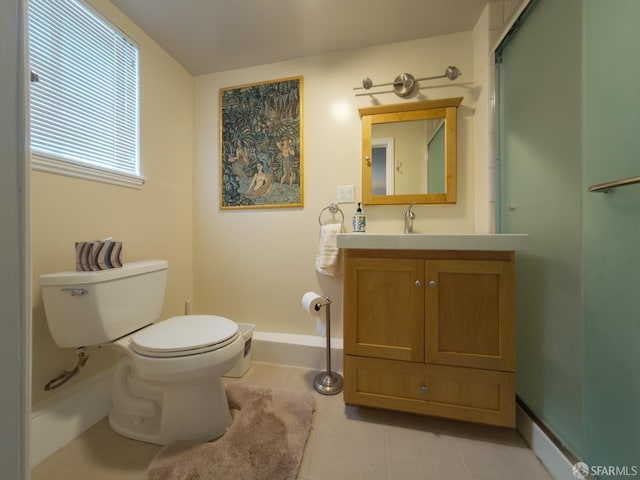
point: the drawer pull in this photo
(424, 389)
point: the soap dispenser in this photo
(359, 221)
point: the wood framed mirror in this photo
(410, 152)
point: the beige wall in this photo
(154, 222)
(250, 265)
(254, 265)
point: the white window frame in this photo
(57, 164)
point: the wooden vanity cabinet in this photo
(431, 332)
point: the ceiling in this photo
(207, 36)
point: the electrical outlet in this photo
(346, 194)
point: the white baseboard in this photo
(68, 414)
(306, 351)
(553, 459)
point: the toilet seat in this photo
(184, 335)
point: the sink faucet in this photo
(408, 219)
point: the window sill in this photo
(69, 168)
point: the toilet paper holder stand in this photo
(327, 382)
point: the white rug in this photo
(265, 441)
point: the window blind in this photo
(84, 89)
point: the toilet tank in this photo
(92, 308)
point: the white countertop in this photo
(434, 241)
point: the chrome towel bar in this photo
(606, 187)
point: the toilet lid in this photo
(184, 335)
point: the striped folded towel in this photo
(98, 255)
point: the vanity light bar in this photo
(404, 84)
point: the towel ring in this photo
(333, 209)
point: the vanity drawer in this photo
(468, 394)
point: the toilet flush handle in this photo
(76, 292)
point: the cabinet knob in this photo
(433, 284)
(418, 283)
(424, 389)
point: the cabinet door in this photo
(384, 308)
(470, 313)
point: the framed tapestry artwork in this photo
(261, 145)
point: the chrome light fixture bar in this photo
(405, 83)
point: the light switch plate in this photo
(346, 194)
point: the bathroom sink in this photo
(433, 241)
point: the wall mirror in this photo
(409, 152)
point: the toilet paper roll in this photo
(312, 302)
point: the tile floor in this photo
(345, 443)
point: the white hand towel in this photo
(329, 258)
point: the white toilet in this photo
(167, 382)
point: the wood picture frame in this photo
(261, 145)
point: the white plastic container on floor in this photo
(243, 364)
